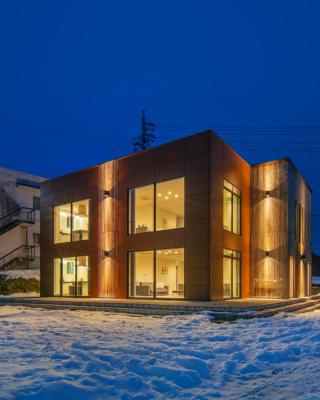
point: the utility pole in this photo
(146, 137)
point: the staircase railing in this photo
(20, 215)
(23, 251)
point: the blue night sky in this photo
(75, 74)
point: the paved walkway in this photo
(239, 304)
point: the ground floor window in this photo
(156, 273)
(71, 276)
(231, 273)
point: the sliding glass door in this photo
(71, 276)
(231, 274)
(156, 274)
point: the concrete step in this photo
(295, 307)
(122, 310)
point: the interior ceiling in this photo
(166, 196)
(161, 255)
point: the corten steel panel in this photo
(226, 164)
(72, 187)
(183, 158)
(196, 163)
(169, 153)
(171, 170)
(197, 183)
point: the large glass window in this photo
(156, 274)
(141, 209)
(71, 221)
(80, 220)
(57, 277)
(62, 223)
(168, 213)
(170, 204)
(68, 276)
(170, 273)
(231, 273)
(231, 208)
(82, 283)
(71, 276)
(141, 274)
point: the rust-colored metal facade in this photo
(204, 161)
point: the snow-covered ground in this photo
(82, 355)
(22, 273)
(20, 294)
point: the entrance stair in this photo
(17, 257)
(21, 216)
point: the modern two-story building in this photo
(188, 219)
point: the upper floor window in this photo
(231, 208)
(71, 221)
(36, 203)
(141, 209)
(170, 204)
(159, 206)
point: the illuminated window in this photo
(231, 273)
(62, 223)
(141, 209)
(71, 221)
(80, 220)
(156, 274)
(158, 207)
(57, 277)
(170, 273)
(231, 208)
(170, 204)
(71, 276)
(141, 274)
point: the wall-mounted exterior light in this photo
(267, 193)
(106, 194)
(267, 253)
(107, 253)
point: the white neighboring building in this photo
(19, 219)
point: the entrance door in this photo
(231, 274)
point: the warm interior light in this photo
(176, 196)
(166, 197)
(169, 193)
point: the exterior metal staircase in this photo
(21, 216)
(21, 255)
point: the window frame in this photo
(154, 184)
(239, 196)
(75, 275)
(233, 258)
(128, 208)
(36, 202)
(71, 221)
